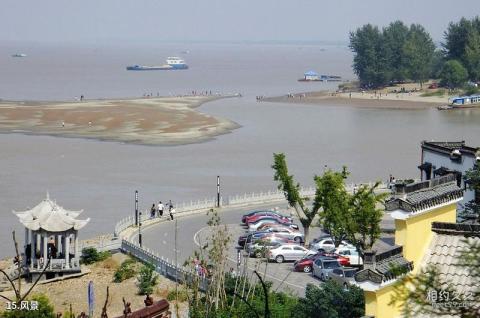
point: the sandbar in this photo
(147, 121)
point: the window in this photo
(327, 242)
(331, 264)
(298, 248)
(349, 273)
(337, 271)
(345, 252)
(286, 248)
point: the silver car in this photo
(344, 276)
(323, 266)
(289, 252)
(287, 232)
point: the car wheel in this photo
(279, 259)
(307, 269)
(322, 277)
(298, 239)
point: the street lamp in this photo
(136, 207)
(218, 191)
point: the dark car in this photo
(247, 238)
(306, 264)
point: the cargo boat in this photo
(462, 102)
(173, 63)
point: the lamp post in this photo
(136, 207)
(140, 229)
(218, 191)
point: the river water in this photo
(101, 177)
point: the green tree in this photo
(147, 279)
(438, 60)
(370, 61)
(291, 190)
(418, 51)
(333, 200)
(456, 38)
(45, 309)
(453, 74)
(472, 208)
(394, 38)
(330, 300)
(472, 55)
(364, 219)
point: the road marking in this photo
(195, 240)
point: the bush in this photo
(182, 295)
(90, 255)
(471, 90)
(45, 309)
(147, 279)
(125, 271)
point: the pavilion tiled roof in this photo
(50, 216)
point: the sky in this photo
(144, 21)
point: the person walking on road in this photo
(152, 211)
(160, 209)
(172, 211)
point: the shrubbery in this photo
(147, 279)
(125, 271)
(90, 255)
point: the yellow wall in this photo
(415, 233)
(377, 303)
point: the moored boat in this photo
(462, 102)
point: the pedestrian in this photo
(152, 211)
(172, 211)
(160, 209)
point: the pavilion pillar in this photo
(33, 257)
(77, 254)
(37, 248)
(67, 250)
(45, 249)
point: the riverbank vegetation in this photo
(399, 53)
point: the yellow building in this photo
(415, 208)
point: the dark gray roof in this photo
(428, 195)
(447, 147)
(384, 266)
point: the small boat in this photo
(312, 76)
(19, 55)
(173, 63)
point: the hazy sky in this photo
(94, 21)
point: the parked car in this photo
(244, 217)
(323, 266)
(289, 252)
(344, 276)
(265, 226)
(327, 245)
(254, 226)
(306, 264)
(287, 232)
(351, 254)
(247, 238)
(267, 214)
(261, 247)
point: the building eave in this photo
(403, 215)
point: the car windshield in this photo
(331, 264)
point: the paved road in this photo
(193, 229)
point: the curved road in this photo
(192, 229)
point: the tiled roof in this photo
(426, 196)
(443, 253)
(448, 146)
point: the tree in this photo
(291, 190)
(147, 279)
(472, 55)
(333, 200)
(472, 208)
(453, 74)
(394, 38)
(456, 38)
(418, 50)
(330, 300)
(438, 60)
(370, 61)
(364, 219)
(420, 293)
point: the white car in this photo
(327, 245)
(289, 252)
(351, 254)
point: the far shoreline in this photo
(370, 99)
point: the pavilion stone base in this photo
(52, 274)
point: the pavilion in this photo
(51, 232)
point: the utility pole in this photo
(136, 207)
(218, 191)
(140, 228)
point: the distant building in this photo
(311, 76)
(449, 157)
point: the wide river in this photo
(101, 177)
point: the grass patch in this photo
(90, 255)
(439, 92)
(125, 271)
(182, 295)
